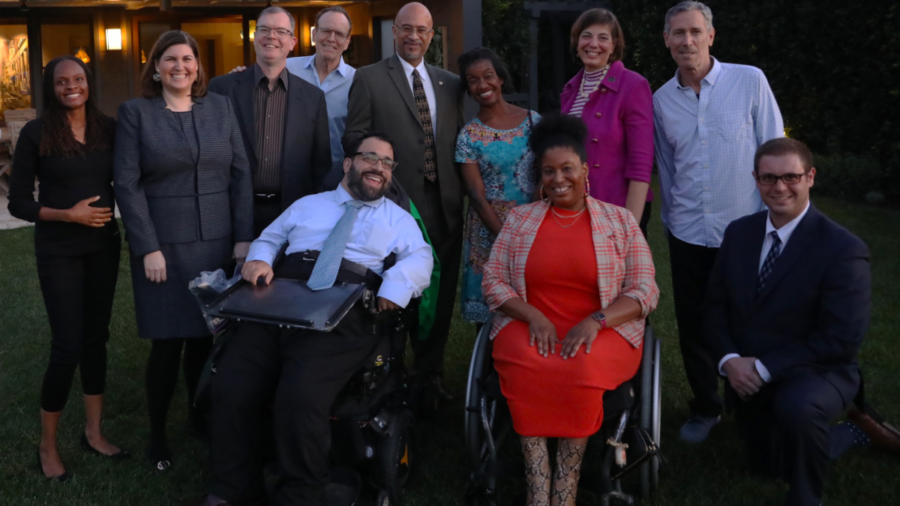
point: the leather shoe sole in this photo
(883, 436)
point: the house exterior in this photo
(113, 37)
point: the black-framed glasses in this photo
(408, 30)
(328, 32)
(771, 179)
(282, 33)
(373, 159)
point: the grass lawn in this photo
(710, 474)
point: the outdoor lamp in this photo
(113, 39)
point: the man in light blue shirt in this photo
(326, 70)
(709, 120)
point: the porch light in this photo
(82, 55)
(113, 39)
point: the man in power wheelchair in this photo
(301, 361)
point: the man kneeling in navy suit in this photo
(786, 312)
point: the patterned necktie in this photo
(769, 262)
(329, 262)
(425, 118)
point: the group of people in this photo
(304, 152)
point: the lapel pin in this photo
(611, 79)
(441, 83)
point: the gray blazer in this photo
(306, 150)
(155, 175)
(381, 100)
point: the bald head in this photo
(413, 31)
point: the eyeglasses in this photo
(771, 179)
(282, 33)
(327, 32)
(408, 30)
(373, 159)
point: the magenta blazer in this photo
(619, 118)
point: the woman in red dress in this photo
(577, 330)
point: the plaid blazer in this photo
(624, 263)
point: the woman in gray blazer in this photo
(183, 186)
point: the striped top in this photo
(270, 109)
(589, 84)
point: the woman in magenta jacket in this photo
(617, 107)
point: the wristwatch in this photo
(600, 317)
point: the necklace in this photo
(601, 74)
(573, 217)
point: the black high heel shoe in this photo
(64, 477)
(118, 456)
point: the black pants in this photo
(78, 293)
(447, 243)
(265, 210)
(786, 428)
(305, 370)
(691, 268)
(645, 219)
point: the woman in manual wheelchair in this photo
(590, 280)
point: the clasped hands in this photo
(258, 271)
(543, 333)
(743, 376)
(155, 262)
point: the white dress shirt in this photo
(784, 233)
(704, 147)
(336, 87)
(426, 83)
(381, 228)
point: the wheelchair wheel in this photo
(383, 498)
(483, 410)
(394, 458)
(651, 407)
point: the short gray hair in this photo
(274, 9)
(690, 6)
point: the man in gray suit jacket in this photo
(283, 119)
(419, 107)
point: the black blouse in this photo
(63, 182)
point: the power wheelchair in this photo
(372, 419)
(628, 439)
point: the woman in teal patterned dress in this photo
(497, 168)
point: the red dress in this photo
(552, 397)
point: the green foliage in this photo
(833, 65)
(848, 177)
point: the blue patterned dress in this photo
(507, 168)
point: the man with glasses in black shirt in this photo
(283, 119)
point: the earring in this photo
(587, 187)
(156, 77)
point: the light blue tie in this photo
(329, 262)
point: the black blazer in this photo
(381, 100)
(813, 312)
(306, 149)
(155, 175)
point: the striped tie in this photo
(769, 262)
(329, 262)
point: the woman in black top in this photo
(76, 242)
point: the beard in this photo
(359, 190)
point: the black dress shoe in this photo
(64, 477)
(118, 456)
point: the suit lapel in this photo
(402, 83)
(243, 96)
(799, 242)
(441, 98)
(750, 258)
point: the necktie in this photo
(769, 262)
(329, 262)
(425, 118)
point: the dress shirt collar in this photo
(710, 78)
(408, 68)
(258, 76)
(341, 68)
(784, 233)
(341, 195)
